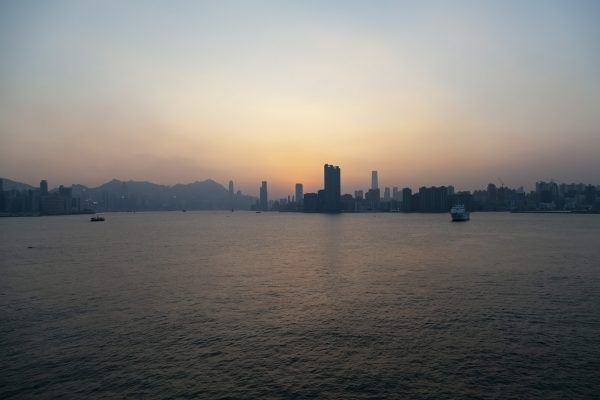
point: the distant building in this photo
(492, 198)
(348, 203)
(396, 194)
(299, 194)
(372, 198)
(43, 188)
(547, 195)
(406, 199)
(590, 195)
(374, 180)
(311, 202)
(433, 199)
(386, 194)
(52, 204)
(231, 195)
(333, 189)
(264, 198)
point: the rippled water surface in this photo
(294, 306)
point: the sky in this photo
(425, 92)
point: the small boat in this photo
(97, 218)
(459, 213)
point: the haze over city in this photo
(427, 93)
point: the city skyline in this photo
(17, 198)
(427, 93)
(301, 187)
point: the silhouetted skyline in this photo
(21, 199)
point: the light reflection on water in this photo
(281, 305)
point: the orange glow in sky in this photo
(427, 94)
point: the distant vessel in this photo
(97, 218)
(459, 213)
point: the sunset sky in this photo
(425, 92)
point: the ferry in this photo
(97, 218)
(459, 213)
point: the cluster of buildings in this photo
(548, 196)
(39, 201)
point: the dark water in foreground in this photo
(245, 305)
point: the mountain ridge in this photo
(117, 195)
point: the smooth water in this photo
(295, 306)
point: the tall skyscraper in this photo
(333, 189)
(374, 180)
(44, 187)
(264, 199)
(299, 193)
(386, 194)
(406, 199)
(231, 196)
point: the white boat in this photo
(459, 213)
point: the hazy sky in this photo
(426, 92)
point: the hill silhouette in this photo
(117, 195)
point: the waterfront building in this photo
(433, 199)
(264, 198)
(311, 202)
(333, 189)
(406, 199)
(372, 198)
(299, 193)
(348, 203)
(43, 187)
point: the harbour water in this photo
(297, 306)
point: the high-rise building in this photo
(66, 194)
(333, 189)
(299, 193)
(374, 180)
(264, 199)
(358, 194)
(433, 199)
(386, 194)
(231, 195)
(43, 187)
(395, 193)
(372, 198)
(406, 199)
